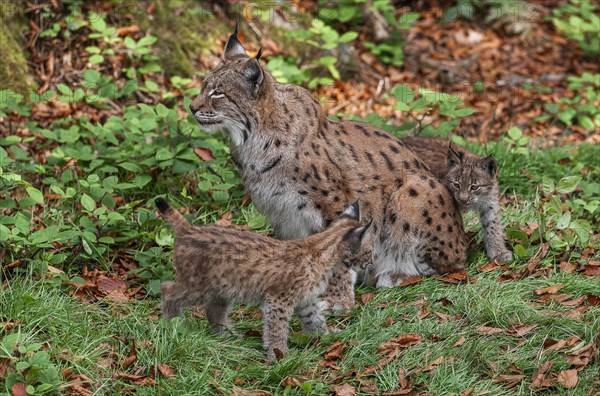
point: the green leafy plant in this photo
(579, 21)
(418, 105)
(30, 365)
(583, 109)
(323, 37)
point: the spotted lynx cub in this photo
(217, 267)
(473, 181)
(301, 168)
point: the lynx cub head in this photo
(471, 179)
(355, 254)
(235, 96)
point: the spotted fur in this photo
(473, 181)
(218, 266)
(299, 167)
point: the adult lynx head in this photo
(236, 96)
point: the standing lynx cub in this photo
(217, 267)
(301, 168)
(473, 180)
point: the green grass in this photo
(92, 339)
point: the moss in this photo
(14, 72)
(184, 30)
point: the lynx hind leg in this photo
(310, 316)
(421, 234)
(217, 313)
(276, 327)
(339, 295)
(493, 231)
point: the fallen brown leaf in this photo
(445, 317)
(335, 351)
(489, 330)
(80, 390)
(292, 382)
(129, 360)
(398, 392)
(460, 341)
(539, 378)
(568, 378)
(553, 345)
(18, 389)
(166, 371)
(403, 341)
(567, 267)
(548, 290)
(110, 284)
(575, 302)
(204, 154)
(343, 390)
(491, 266)
(507, 277)
(388, 322)
(402, 378)
(510, 380)
(366, 297)
(591, 270)
(135, 379)
(430, 367)
(593, 300)
(411, 281)
(278, 353)
(520, 331)
(453, 277)
(423, 312)
(237, 391)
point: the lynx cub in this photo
(473, 181)
(218, 266)
(301, 168)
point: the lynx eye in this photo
(456, 185)
(475, 187)
(215, 94)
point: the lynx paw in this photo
(335, 307)
(505, 255)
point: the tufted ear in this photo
(352, 211)
(254, 73)
(234, 48)
(355, 236)
(489, 165)
(454, 157)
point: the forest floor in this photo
(106, 131)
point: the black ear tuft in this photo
(352, 211)
(259, 54)
(489, 165)
(234, 48)
(454, 157)
(161, 205)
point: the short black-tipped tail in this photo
(173, 217)
(162, 205)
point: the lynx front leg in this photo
(493, 232)
(172, 300)
(339, 295)
(276, 328)
(311, 318)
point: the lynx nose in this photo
(193, 109)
